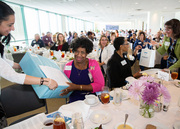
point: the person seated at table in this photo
(119, 66)
(37, 41)
(112, 37)
(47, 40)
(171, 45)
(133, 39)
(85, 74)
(7, 20)
(55, 44)
(104, 53)
(157, 37)
(144, 43)
(62, 44)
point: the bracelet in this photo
(41, 81)
(49, 82)
(81, 87)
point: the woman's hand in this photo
(52, 84)
(71, 87)
(166, 57)
(138, 74)
(137, 48)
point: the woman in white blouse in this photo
(7, 20)
(104, 53)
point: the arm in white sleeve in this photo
(10, 62)
(7, 72)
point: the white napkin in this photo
(57, 54)
(46, 54)
(78, 106)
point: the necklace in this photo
(79, 71)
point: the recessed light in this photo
(165, 8)
(96, 4)
(136, 3)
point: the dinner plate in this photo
(125, 94)
(130, 79)
(100, 117)
(158, 125)
(94, 104)
(176, 125)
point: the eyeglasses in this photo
(104, 40)
(79, 52)
(168, 29)
(126, 44)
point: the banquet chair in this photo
(108, 78)
(18, 99)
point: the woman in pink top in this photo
(85, 74)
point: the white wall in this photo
(177, 15)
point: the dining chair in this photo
(108, 78)
(18, 99)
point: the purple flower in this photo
(165, 93)
(150, 93)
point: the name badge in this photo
(34, 41)
(167, 43)
(90, 76)
(139, 43)
(68, 67)
(46, 38)
(123, 62)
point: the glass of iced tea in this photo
(59, 122)
(62, 54)
(70, 49)
(15, 49)
(52, 53)
(105, 97)
(174, 74)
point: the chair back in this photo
(18, 99)
(108, 78)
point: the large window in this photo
(44, 21)
(67, 24)
(32, 22)
(53, 23)
(59, 19)
(18, 33)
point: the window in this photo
(53, 23)
(67, 24)
(59, 19)
(44, 22)
(32, 22)
(18, 33)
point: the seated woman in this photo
(37, 41)
(119, 66)
(104, 53)
(62, 44)
(85, 74)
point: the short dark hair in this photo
(89, 33)
(83, 43)
(118, 41)
(175, 25)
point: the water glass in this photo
(117, 97)
(77, 121)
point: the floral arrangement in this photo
(148, 91)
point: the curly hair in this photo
(174, 24)
(83, 43)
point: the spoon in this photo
(126, 116)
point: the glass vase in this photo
(146, 110)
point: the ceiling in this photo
(104, 10)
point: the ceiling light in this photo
(165, 8)
(136, 3)
(96, 4)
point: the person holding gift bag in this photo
(7, 20)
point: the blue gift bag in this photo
(30, 65)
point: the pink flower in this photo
(165, 93)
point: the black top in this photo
(119, 69)
(39, 42)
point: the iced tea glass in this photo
(59, 122)
(105, 97)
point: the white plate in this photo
(96, 103)
(100, 117)
(176, 125)
(125, 94)
(158, 125)
(97, 125)
(130, 79)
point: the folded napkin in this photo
(57, 54)
(46, 54)
(78, 106)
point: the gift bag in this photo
(147, 57)
(32, 65)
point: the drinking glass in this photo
(77, 121)
(117, 97)
(62, 54)
(70, 49)
(52, 53)
(174, 74)
(105, 97)
(59, 122)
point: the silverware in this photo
(126, 116)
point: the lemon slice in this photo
(144, 74)
(106, 96)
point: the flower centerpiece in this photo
(148, 92)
